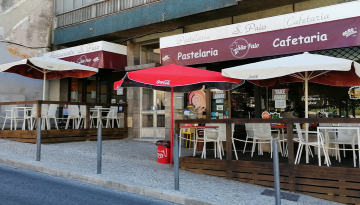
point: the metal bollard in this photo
(276, 171)
(176, 161)
(38, 140)
(99, 149)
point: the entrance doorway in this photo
(152, 115)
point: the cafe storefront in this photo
(322, 31)
(110, 58)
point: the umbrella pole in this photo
(43, 98)
(306, 97)
(171, 125)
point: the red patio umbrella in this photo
(176, 78)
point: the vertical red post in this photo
(171, 125)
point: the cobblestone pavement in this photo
(133, 164)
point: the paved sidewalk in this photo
(132, 166)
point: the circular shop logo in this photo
(265, 115)
(239, 48)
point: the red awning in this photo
(99, 54)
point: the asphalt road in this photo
(20, 186)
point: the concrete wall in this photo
(137, 17)
(27, 23)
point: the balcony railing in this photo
(97, 10)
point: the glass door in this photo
(152, 120)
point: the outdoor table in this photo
(197, 128)
(282, 127)
(99, 111)
(335, 128)
(25, 116)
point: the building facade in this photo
(142, 25)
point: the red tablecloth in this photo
(198, 127)
(278, 126)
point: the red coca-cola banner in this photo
(334, 34)
(100, 59)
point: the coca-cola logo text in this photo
(163, 82)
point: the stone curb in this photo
(158, 194)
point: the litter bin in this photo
(163, 151)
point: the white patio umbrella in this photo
(305, 68)
(47, 69)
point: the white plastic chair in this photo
(95, 115)
(210, 135)
(217, 136)
(51, 114)
(73, 114)
(33, 117)
(303, 142)
(345, 137)
(262, 134)
(249, 127)
(12, 115)
(330, 135)
(222, 138)
(112, 116)
(232, 139)
(82, 116)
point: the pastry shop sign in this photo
(309, 30)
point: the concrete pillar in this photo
(133, 54)
(133, 94)
(133, 101)
(64, 89)
(54, 88)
